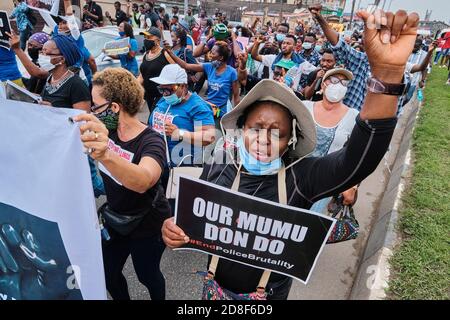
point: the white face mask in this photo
(307, 45)
(335, 92)
(44, 63)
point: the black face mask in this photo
(33, 53)
(149, 44)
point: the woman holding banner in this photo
(277, 133)
(131, 159)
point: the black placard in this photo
(5, 26)
(250, 230)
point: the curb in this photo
(373, 273)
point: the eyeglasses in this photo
(336, 80)
(96, 107)
(166, 91)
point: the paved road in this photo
(332, 278)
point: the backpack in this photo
(31, 17)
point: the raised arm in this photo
(236, 47)
(186, 66)
(331, 34)
(242, 68)
(255, 48)
(31, 68)
(423, 66)
(388, 50)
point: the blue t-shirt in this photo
(194, 112)
(189, 41)
(8, 65)
(219, 85)
(130, 63)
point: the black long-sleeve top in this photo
(307, 181)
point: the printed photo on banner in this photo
(250, 230)
(34, 264)
(115, 47)
(42, 255)
(5, 27)
(42, 4)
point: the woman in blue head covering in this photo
(63, 88)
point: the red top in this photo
(447, 41)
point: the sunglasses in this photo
(97, 107)
(336, 80)
(166, 91)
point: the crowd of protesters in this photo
(313, 85)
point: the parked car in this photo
(96, 38)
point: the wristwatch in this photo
(181, 135)
(377, 86)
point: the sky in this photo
(440, 8)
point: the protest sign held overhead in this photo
(42, 255)
(250, 230)
(5, 27)
(120, 46)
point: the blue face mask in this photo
(173, 99)
(280, 37)
(318, 47)
(253, 165)
(121, 33)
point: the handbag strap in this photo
(169, 163)
(282, 198)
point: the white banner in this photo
(50, 245)
(49, 5)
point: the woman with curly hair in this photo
(131, 159)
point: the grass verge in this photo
(421, 264)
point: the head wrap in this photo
(40, 38)
(68, 48)
(220, 31)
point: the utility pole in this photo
(266, 11)
(186, 6)
(389, 6)
(359, 5)
(281, 12)
(351, 14)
